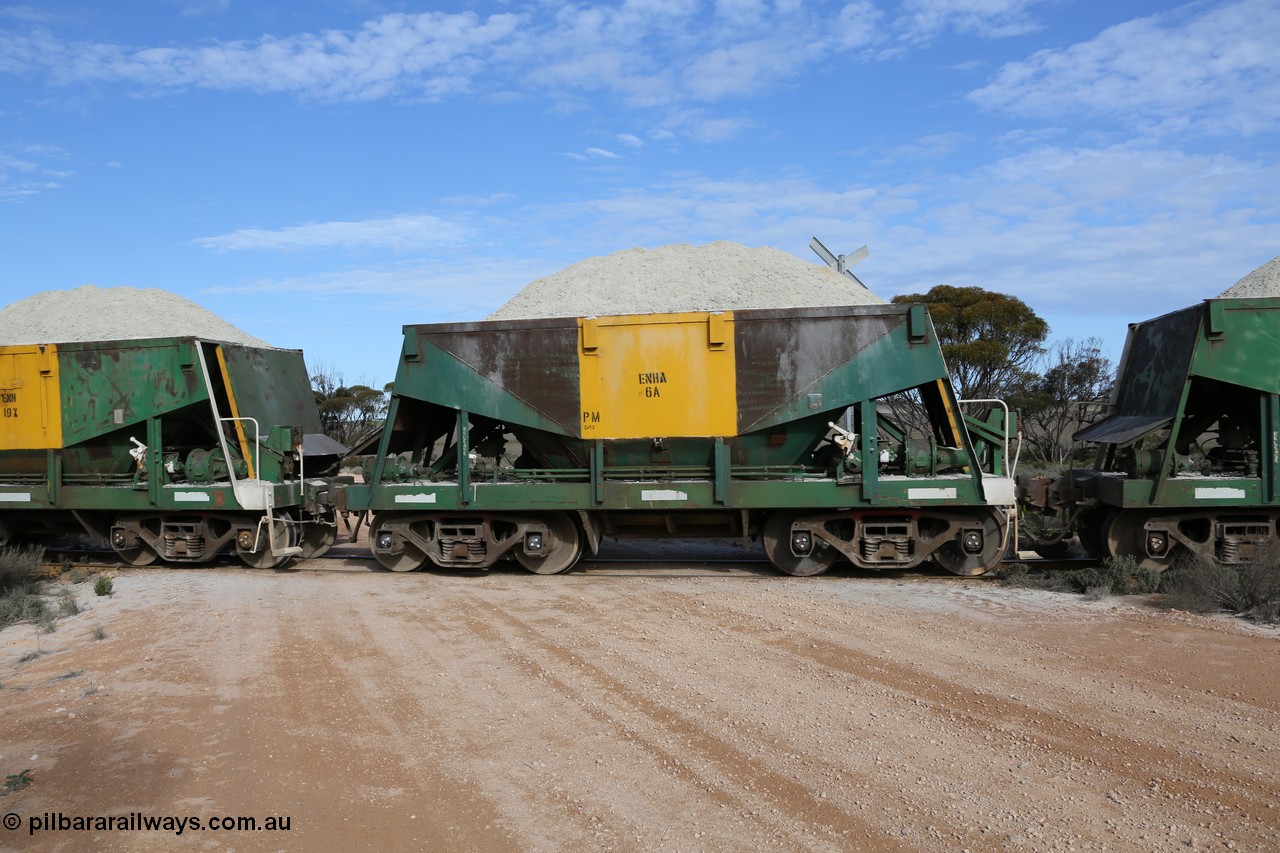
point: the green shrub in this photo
(1202, 585)
(1119, 572)
(103, 585)
(1113, 574)
(1021, 575)
(20, 599)
(1013, 574)
(22, 605)
(1097, 593)
(1085, 579)
(67, 603)
(17, 781)
(1148, 580)
(19, 568)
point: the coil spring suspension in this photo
(463, 550)
(893, 549)
(183, 544)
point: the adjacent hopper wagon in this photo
(168, 448)
(1188, 461)
(829, 433)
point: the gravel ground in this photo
(92, 313)
(716, 277)
(645, 708)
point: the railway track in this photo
(58, 560)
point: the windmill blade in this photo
(824, 253)
(856, 256)
(840, 263)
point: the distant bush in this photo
(1113, 574)
(67, 603)
(1022, 576)
(1148, 580)
(1013, 574)
(19, 567)
(1097, 593)
(20, 599)
(1202, 585)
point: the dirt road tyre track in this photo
(645, 713)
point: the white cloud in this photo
(429, 55)
(1210, 69)
(648, 54)
(926, 147)
(742, 68)
(445, 289)
(925, 20)
(199, 8)
(630, 140)
(592, 154)
(28, 170)
(398, 233)
(29, 14)
(856, 26)
(1140, 230)
(696, 125)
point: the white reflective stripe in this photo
(420, 498)
(192, 497)
(15, 497)
(663, 495)
(1219, 493)
(931, 494)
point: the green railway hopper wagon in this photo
(168, 448)
(827, 432)
(1189, 458)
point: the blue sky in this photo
(320, 173)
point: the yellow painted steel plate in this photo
(30, 410)
(658, 375)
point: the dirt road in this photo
(642, 711)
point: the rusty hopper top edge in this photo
(742, 313)
(144, 342)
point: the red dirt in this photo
(709, 710)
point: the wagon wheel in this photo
(267, 539)
(317, 536)
(959, 560)
(408, 558)
(1091, 530)
(777, 547)
(1052, 550)
(1125, 535)
(560, 551)
(132, 549)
